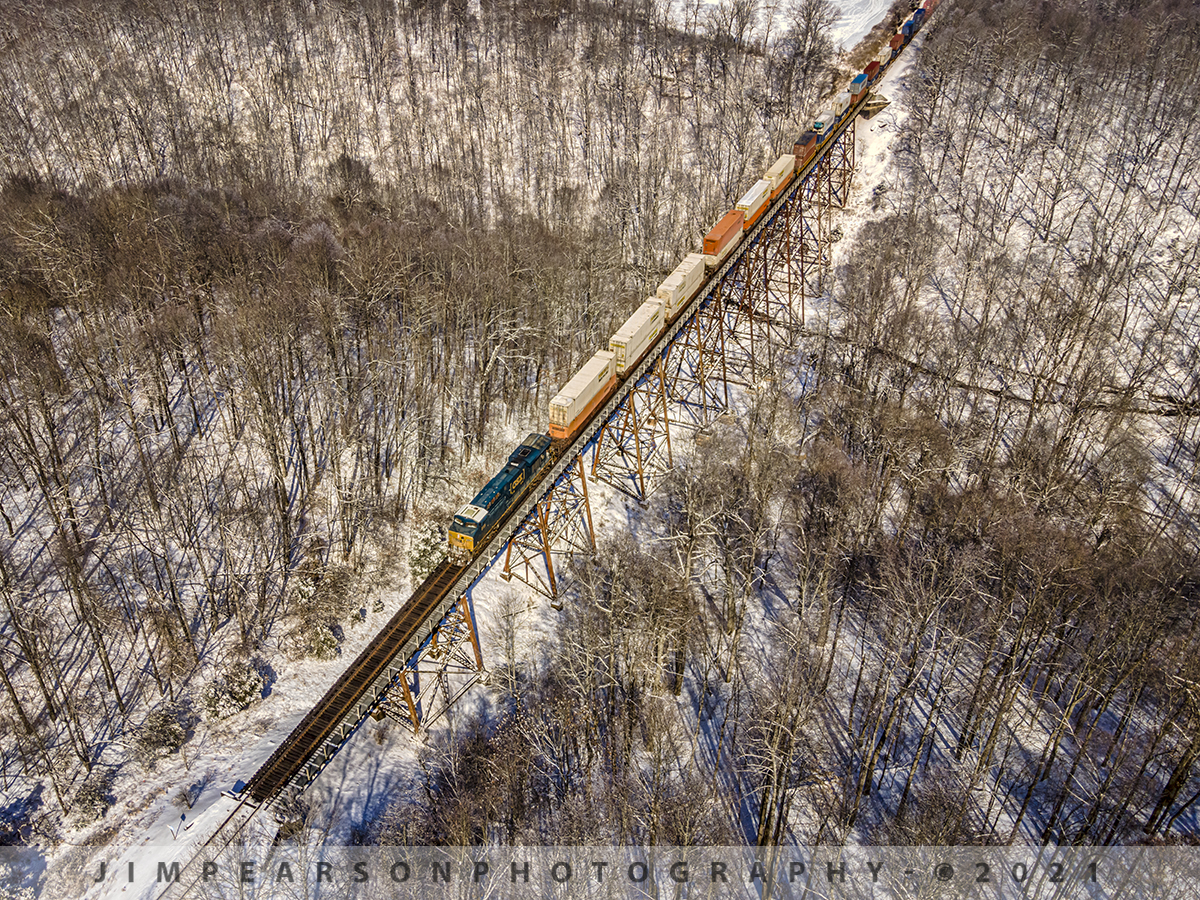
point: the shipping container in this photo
(841, 103)
(723, 237)
(678, 287)
(582, 394)
(781, 173)
(872, 71)
(859, 84)
(918, 19)
(805, 148)
(896, 43)
(639, 330)
(754, 202)
(823, 122)
(907, 29)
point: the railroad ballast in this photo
(595, 382)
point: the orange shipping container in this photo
(719, 241)
(805, 148)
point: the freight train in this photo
(573, 406)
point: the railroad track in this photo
(347, 703)
(320, 721)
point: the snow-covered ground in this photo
(380, 762)
(858, 17)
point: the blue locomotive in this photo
(475, 522)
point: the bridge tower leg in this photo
(694, 369)
(442, 670)
(760, 302)
(560, 523)
(841, 161)
(633, 450)
(810, 236)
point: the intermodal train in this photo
(573, 406)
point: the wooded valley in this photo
(279, 281)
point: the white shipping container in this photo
(778, 173)
(823, 122)
(754, 200)
(632, 338)
(842, 103)
(681, 284)
(584, 387)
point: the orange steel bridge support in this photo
(633, 450)
(447, 666)
(560, 523)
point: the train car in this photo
(754, 203)
(872, 71)
(679, 287)
(841, 103)
(589, 387)
(906, 30)
(780, 174)
(722, 238)
(918, 19)
(475, 523)
(805, 148)
(823, 122)
(858, 85)
(896, 43)
(629, 344)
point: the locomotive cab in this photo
(464, 530)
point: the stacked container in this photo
(780, 174)
(722, 238)
(632, 338)
(678, 287)
(753, 202)
(574, 403)
(805, 148)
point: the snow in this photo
(380, 761)
(858, 18)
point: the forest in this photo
(261, 322)
(278, 280)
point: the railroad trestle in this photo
(730, 335)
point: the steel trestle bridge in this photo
(729, 333)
